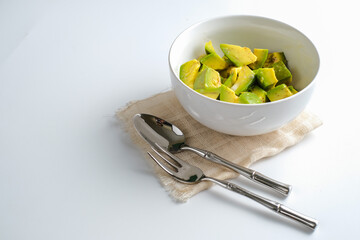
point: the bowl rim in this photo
(244, 16)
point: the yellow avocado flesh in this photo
(266, 78)
(189, 72)
(279, 92)
(228, 95)
(226, 72)
(240, 56)
(213, 95)
(209, 48)
(282, 73)
(207, 79)
(273, 58)
(232, 77)
(214, 61)
(211, 92)
(249, 98)
(261, 56)
(261, 93)
(245, 78)
(292, 89)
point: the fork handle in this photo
(273, 205)
(253, 175)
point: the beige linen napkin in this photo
(240, 150)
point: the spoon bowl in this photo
(160, 131)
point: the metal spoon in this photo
(168, 136)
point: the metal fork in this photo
(187, 173)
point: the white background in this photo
(68, 171)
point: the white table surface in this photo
(68, 171)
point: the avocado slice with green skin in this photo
(261, 55)
(249, 98)
(239, 56)
(292, 90)
(214, 61)
(213, 95)
(189, 72)
(261, 93)
(266, 78)
(279, 92)
(275, 57)
(245, 78)
(232, 77)
(230, 80)
(202, 68)
(230, 63)
(283, 74)
(228, 95)
(222, 79)
(209, 48)
(210, 92)
(207, 79)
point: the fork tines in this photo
(175, 162)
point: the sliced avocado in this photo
(213, 95)
(283, 74)
(222, 79)
(209, 48)
(207, 79)
(273, 58)
(228, 95)
(261, 93)
(232, 77)
(240, 56)
(228, 61)
(211, 92)
(200, 57)
(249, 98)
(245, 78)
(266, 78)
(261, 56)
(226, 72)
(230, 80)
(292, 90)
(279, 92)
(189, 71)
(202, 68)
(214, 61)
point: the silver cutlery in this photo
(172, 138)
(187, 173)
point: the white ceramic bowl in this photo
(252, 32)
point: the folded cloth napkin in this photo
(239, 150)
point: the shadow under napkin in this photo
(240, 150)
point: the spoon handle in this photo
(272, 205)
(253, 175)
